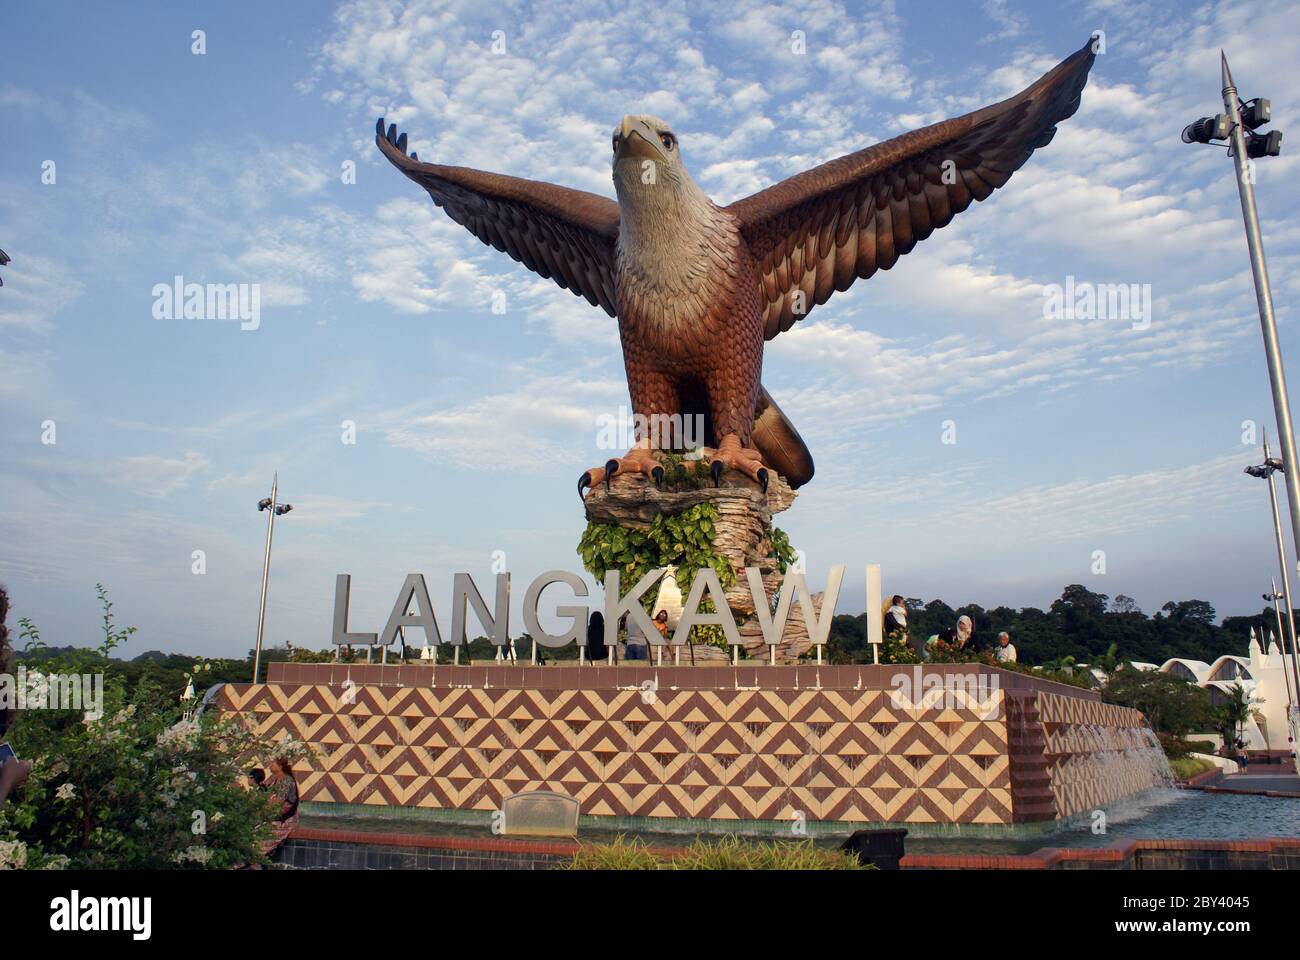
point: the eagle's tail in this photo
(779, 442)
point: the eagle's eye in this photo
(667, 140)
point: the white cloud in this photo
(545, 419)
(36, 289)
(155, 476)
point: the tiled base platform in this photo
(944, 744)
(432, 821)
(319, 849)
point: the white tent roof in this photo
(1199, 668)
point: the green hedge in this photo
(726, 853)
(1187, 767)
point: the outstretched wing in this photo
(822, 229)
(565, 235)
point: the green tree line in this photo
(1089, 627)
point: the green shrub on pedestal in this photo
(682, 474)
(784, 554)
(682, 540)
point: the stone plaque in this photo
(540, 813)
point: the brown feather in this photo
(779, 442)
(562, 234)
(873, 206)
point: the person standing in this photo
(661, 624)
(283, 788)
(596, 649)
(965, 635)
(1006, 651)
(895, 615)
(636, 647)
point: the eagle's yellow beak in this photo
(636, 138)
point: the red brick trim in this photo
(1201, 779)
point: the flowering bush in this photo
(135, 789)
(135, 786)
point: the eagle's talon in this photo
(733, 455)
(611, 468)
(657, 474)
(715, 471)
(584, 481)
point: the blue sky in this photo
(1072, 435)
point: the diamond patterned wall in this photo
(838, 751)
(1096, 753)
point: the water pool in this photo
(1163, 813)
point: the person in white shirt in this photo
(1006, 650)
(895, 615)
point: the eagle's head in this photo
(658, 201)
(648, 161)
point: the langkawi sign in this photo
(413, 608)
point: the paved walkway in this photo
(1286, 768)
(1279, 782)
(1269, 779)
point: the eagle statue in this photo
(697, 288)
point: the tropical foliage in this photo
(1234, 713)
(1173, 706)
(784, 554)
(126, 781)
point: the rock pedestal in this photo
(743, 534)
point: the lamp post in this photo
(1265, 471)
(1237, 127)
(1274, 597)
(273, 510)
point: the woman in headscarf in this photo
(965, 630)
(596, 649)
